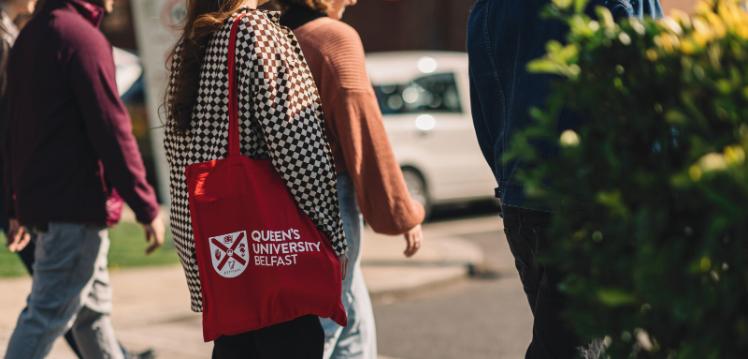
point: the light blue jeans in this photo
(70, 290)
(359, 339)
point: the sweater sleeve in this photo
(7, 192)
(356, 119)
(108, 126)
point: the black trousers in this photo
(302, 338)
(526, 231)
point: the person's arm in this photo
(108, 126)
(622, 9)
(381, 192)
(109, 129)
(8, 204)
(17, 238)
(352, 107)
(482, 132)
(618, 8)
(7, 192)
(295, 138)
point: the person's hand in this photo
(18, 237)
(154, 234)
(413, 239)
(343, 265)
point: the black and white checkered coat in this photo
(280, 118)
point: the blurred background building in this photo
(385, 25)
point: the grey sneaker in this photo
(145, 354)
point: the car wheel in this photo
(417, 188)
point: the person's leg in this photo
(523, 248)
(27, 258)
(302, 338)
(555, 337)
(92, 329)
(63, 269)
(527, 234)
(241, 346)
(552, 336)
(95, 334)
(358, 339)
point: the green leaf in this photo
(642, 221)
(562, 4)
(615, 297)
(545, 66)
(606, 18)
(568, 53)
(579, 5)
(676, 117)
(724, 86)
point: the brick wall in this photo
(387, 25)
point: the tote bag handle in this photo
(234, 143)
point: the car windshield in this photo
(432, 93)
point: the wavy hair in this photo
(204, 17)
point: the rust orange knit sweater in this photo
(354, 125)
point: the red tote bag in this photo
(261, 260)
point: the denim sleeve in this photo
(482, 131)
(630, 8)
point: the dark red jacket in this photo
(66, 123)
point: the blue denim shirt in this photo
(503, 36)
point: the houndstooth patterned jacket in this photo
(280, 118)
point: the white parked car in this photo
(425, 100)
(129, 69)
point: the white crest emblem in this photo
(229, 253)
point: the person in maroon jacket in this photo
(70, 159)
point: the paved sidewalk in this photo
(152, 304)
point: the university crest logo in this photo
(230, 253)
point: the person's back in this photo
(55, 151)
(279, 118)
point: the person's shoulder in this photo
(335, 41)
(77, 33)
(338, 33)
(337, 27)
(258, 20)
(342, 50)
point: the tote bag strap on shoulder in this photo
(234, 143)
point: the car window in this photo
(431, 93)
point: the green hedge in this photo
(651, 192)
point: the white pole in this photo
(156, 25)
